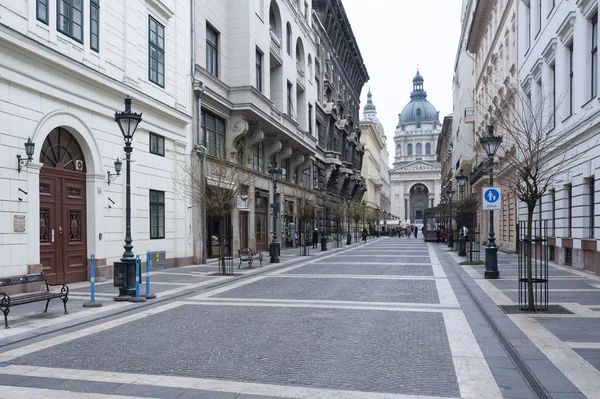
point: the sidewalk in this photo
(570, 342)
(27, 321)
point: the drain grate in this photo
(551, 309)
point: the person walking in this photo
(364, 234)
(416, 231)
(315, 238)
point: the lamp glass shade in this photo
(29, 148)
(275, 172)
(461, 178)
(450, 193)
(490, 143)
(118, 165)
(128, 120)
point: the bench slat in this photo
(33, 298)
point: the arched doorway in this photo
(63, 249)
(419, 196)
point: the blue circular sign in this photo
(492, 195)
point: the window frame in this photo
(215, 147)
(156, 218)
(288, 38)
(594, 56)
(69, 31)
(37, 11)
(591, 182)
(158, 50)
(409, 150)
(213, 48)
(571, 74)
(258, 157)
(95, 4)
(569, 210)
(259, 72)
(158, 138)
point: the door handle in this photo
(59, 230)
(52, 235)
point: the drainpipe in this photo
(198, 87)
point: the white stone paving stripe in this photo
(581, 373)
(356, 276)
(390, 262)
(36, 346)
(438, 270)
(583, 345)
(202, 384)
(10, 392)
(475, 379)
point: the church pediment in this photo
(418, 166)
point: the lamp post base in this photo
(491, 262)
(450, 240)
(349, 239)
(462, 246)
(274, 252)
(323, 243)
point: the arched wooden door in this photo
(419, 198)
(63, 248)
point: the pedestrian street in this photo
(382, 319)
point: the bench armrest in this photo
(64, 290)
(5, 300)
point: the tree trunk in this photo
(529, 251)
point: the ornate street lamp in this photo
(324, 231)
(274, 250)
(124, 272)
(443, 202)
(377, 227)
(29, 148)
(349, 235)
(490, 144)
(449, 194)
(462, 239)
(118, 166)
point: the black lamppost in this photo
(128, 122)
(377, 228)
(491, 144)
(462, 239)
(274, 250)
(443, 201)
(324, 231)
(349, 235)
(449, 194)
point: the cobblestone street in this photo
(392, 318)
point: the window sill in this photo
(589, 101)
(564, 120)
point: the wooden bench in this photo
(248, 255)
(6, 301)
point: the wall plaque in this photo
(19, 223)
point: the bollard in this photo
(92, 303)
(137, 297)
(148, 295)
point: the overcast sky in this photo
(394, 36)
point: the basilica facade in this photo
(415, 177)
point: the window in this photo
(70, 18)
(569, 210)
(428, 149)
(409, 150)
(418, 124)
(418, 112)
(310, 119)
(288, 38)
(41, 11)
(591, 207)
(156, 52)
(290, 105)
(258, 8)
(157, 144)
(551, 7)
(570, 79)
(259, 79)
(309, 69)
(306, 10)
(157, 214)
(553, 193)
(419, 150)
(318, 84)
(95, 25)
(258, 158)
(212, 51)
(594, 58)
(539, 17)
(553, 88)
(528, 30)
(213, 129)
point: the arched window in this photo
(418, 124)
(427, 149)
(419, 149)
(418, 112)
(288, 38)
(409, 149)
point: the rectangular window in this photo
(570, 79)
(539, 17)
(212, 51)
(569, 210)
(528, 30)
(553, 193)
(69, 18)
(156, 52)
(213, 129)
(41, 11)
(259, 78)
(594, 58)
(591, 208)
(290, 105)
(157, 214)
(258, 158)
(310, 119)
(318, 85)
(95, 25)
(157, 144)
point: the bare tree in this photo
(217, 188)
(532, 154)
(356, 212)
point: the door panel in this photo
(49, 255)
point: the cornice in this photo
(536, 71)
(587, 7)
(566, 30)
(482, 10)
(549, 53)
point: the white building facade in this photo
(64, 72)
(558, 61)
(415, 178)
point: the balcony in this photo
(301, 80)
(275, 50)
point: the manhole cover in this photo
(551, 309)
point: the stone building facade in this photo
(61, 81)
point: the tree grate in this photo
(550, 309)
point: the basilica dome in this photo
(418, 110)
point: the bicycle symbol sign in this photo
(492, 198)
